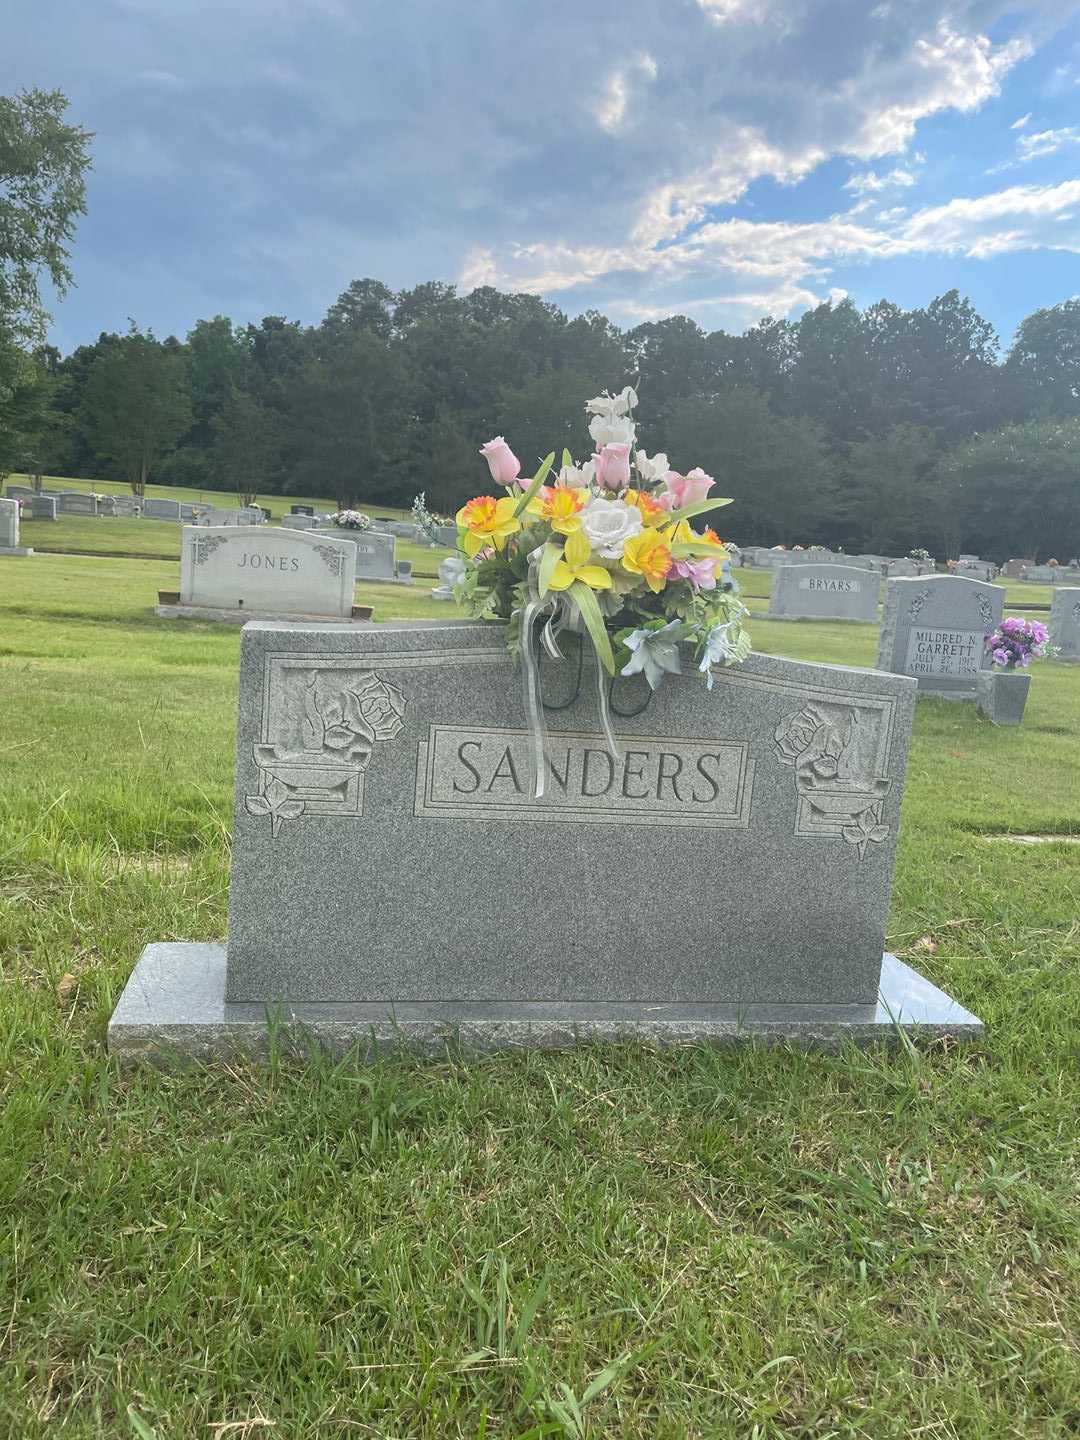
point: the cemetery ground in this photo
(606, 1242)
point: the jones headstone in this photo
(934, 628)
(267, 570)
(9, 530)
(78, 502)
(823, 592)
(385, 802)
(1065, 622)
(155, 508)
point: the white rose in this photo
(606, 404)
(612, 430)
(654, 469)
(608, 524)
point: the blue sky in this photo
(718, 158)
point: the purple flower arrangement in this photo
(1015, 643)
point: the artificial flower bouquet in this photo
(351, 520)
(604, 547)
(1016, 642)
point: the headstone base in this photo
(174, 1008)
(20, 551)
(360, 613)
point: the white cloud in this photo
(1047, 142)
(869, 181)
(1019, 124)
(612, 106)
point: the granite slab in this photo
(263, 568)
(1065, 623)
(174, 1008)
(817, 590)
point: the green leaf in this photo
(567, 458)
(139, 1425)
(682, 549)
(535, 483)
(699, 509)
(594, 622)
(550, 558)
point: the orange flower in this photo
(652, 512)
(487, 521)
(560, 506)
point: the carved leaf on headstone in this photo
(917, 603)
(331, 557)
(986, 610)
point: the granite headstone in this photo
(78, 502)
(934, 628)
(385, 799)
(156, 508)
(823, 592)
(375, 554)
(263, 570)
(42, 507)
(1065, 622)
(9, 530)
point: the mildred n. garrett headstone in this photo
(934, 628)
(395, 877)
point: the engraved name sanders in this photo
(467, 773)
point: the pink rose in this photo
(685, 490)
(613, 466)
(504, 465)
(700, 573)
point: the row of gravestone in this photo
(757, 556)
(50, 504)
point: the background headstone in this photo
(824, 592)
(155, 508)
(375, 553)
(299, 522)
(42, 507)
(1065, 622)
(301, 509)
(9, 529)
(934, 628)
(77, 502)
(265, 569)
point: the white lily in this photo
(654, 469)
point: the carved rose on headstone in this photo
(810, 741)
(383, 708)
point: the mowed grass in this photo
(605, 1243)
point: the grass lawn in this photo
(605, 1243)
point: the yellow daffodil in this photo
(560, 506)
(574, 565)
(652, 512)
(487, 521)
(647, 555)
(679, 533)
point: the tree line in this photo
(880, 429)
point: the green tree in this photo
(245, 444)
(136, 404)
(43, 164)
(774, 468)
(25, 389)
(892, 499)
(1044, 362)
(1018, 490)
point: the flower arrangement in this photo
(351, 520)
(919, 554)
(1016, 642)
(606, 548)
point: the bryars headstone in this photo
(260, 569)
(9, 530)
(1065, 622)
(395, 877)
(823, 592)
(934, 628)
